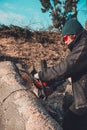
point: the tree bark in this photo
(20, 109)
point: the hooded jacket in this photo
(74, 66)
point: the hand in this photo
(36, 76)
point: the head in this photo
(71, 30)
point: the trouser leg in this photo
(69, 121)
(72, 121)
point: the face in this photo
(69, 38)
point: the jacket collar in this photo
(75, 42)
(71, 45)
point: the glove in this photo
(36, 76)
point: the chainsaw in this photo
(44, 88)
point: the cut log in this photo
(20, 109)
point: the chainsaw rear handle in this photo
(43, 65)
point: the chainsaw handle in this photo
(43, 65)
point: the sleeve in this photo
(75, 62)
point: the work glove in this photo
(36, 76)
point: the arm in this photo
(75, 62)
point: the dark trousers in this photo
(72, 121)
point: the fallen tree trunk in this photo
(20, 109)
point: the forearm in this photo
(57, 72)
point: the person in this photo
(74, 66)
